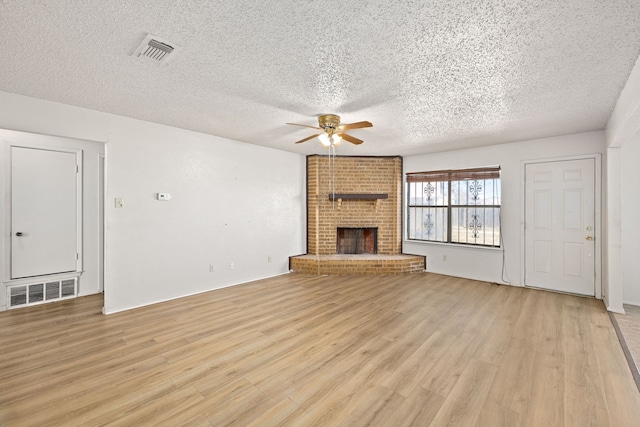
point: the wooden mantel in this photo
(360, 196)
(339, 197)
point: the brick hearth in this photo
(364, 264)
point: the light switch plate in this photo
(164, 196)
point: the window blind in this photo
(491, 172)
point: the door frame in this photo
(7, 206)
(102, 161)
(597, 203)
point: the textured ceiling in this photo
(430, 75)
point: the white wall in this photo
(630, 216)
(231, 202)
(487, 263)
(623, 142)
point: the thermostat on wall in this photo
(164, 196)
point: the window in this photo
(455, 206)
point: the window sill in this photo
(453, 245)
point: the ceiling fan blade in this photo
(306, 126)
(351, 139)
(308, 138)
(357, 125)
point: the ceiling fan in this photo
(332, 131)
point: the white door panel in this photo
(559, 226)
(44, 232)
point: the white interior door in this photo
(44, 212)
(559, 226)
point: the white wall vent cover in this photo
(156, 49)
(42, 292)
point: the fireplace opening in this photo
(357, 240)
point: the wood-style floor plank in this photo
(297, 350)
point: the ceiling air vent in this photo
(155, 49)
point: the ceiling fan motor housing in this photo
(329, 121)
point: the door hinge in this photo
(77, 256)
(77, 168)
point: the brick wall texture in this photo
(353, 175)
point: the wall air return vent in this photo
(156, 49)
(39, 293)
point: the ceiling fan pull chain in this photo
(332, 183)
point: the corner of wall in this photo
(624, 121)
(623, 133)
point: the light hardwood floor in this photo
(298, 350)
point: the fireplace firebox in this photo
(352, 240)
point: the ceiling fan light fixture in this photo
(335, 139)
(324, 139)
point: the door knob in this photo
(19, 233)
(589, 238)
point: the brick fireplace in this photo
(355, 193)
(358, 180)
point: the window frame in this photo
(450, 177)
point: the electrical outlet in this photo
(212, 268)
(232, 266)
(269, 259)
(119, 201)
(444, 257)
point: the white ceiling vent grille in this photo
(155, 49)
